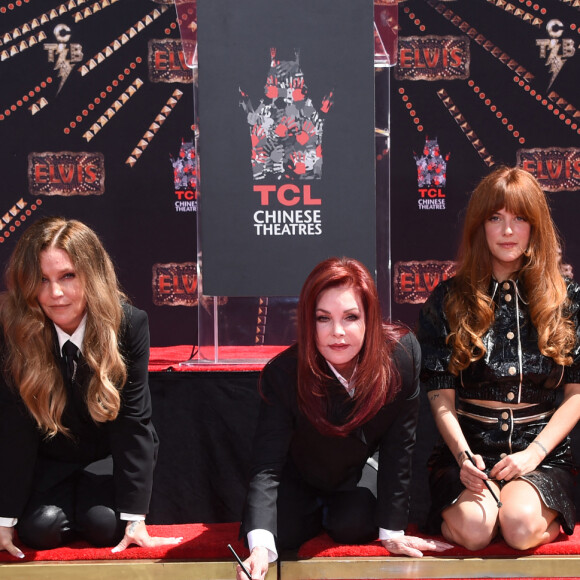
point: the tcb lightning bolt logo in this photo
(63, 53)
(555, 50)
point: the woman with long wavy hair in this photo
(76, 439)
(501, 364)
(347, 390)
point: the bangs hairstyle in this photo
(376, 380)
(468, 307)
(31, 364)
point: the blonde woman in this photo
(76, 440)
(500, 360)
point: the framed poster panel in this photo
(286, 141)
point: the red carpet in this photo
(323, 546)
(209, 541)
(200, 542)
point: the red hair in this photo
(376, 380)
(468, 307)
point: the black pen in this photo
(240, 562)
(499, 504)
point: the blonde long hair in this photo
(30, 365)
(468, 306)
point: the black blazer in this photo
(329, 463)
(130, 439)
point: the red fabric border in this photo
(324, 546)
(231, 358)
(200, 541)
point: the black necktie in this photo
(70, 354)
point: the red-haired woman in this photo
(347, 390)
(501, 364)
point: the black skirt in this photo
(493, 433)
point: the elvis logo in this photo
(62, 53)
(66, 173)
(286, 128)
(167, 62)
(433, 58)
(555, 50)
(431, 176)
(555, 168)
(175, 284)
(414, 281)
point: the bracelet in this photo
(540, 446)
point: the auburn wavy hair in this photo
(468, 307)
(30, 365)
(376, 380)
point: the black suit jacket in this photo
(130, 439)
(330, 463)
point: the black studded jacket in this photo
(512, 369)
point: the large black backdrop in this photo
(499, 103)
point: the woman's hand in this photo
(6, 542)
(136, 533)
(256, 564)
(413, 546)
(472, 475)
(520, 463)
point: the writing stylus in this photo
(499, 504)
(246, 571)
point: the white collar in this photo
(346, 384)
(76, 337)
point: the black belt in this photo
(493, 415)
